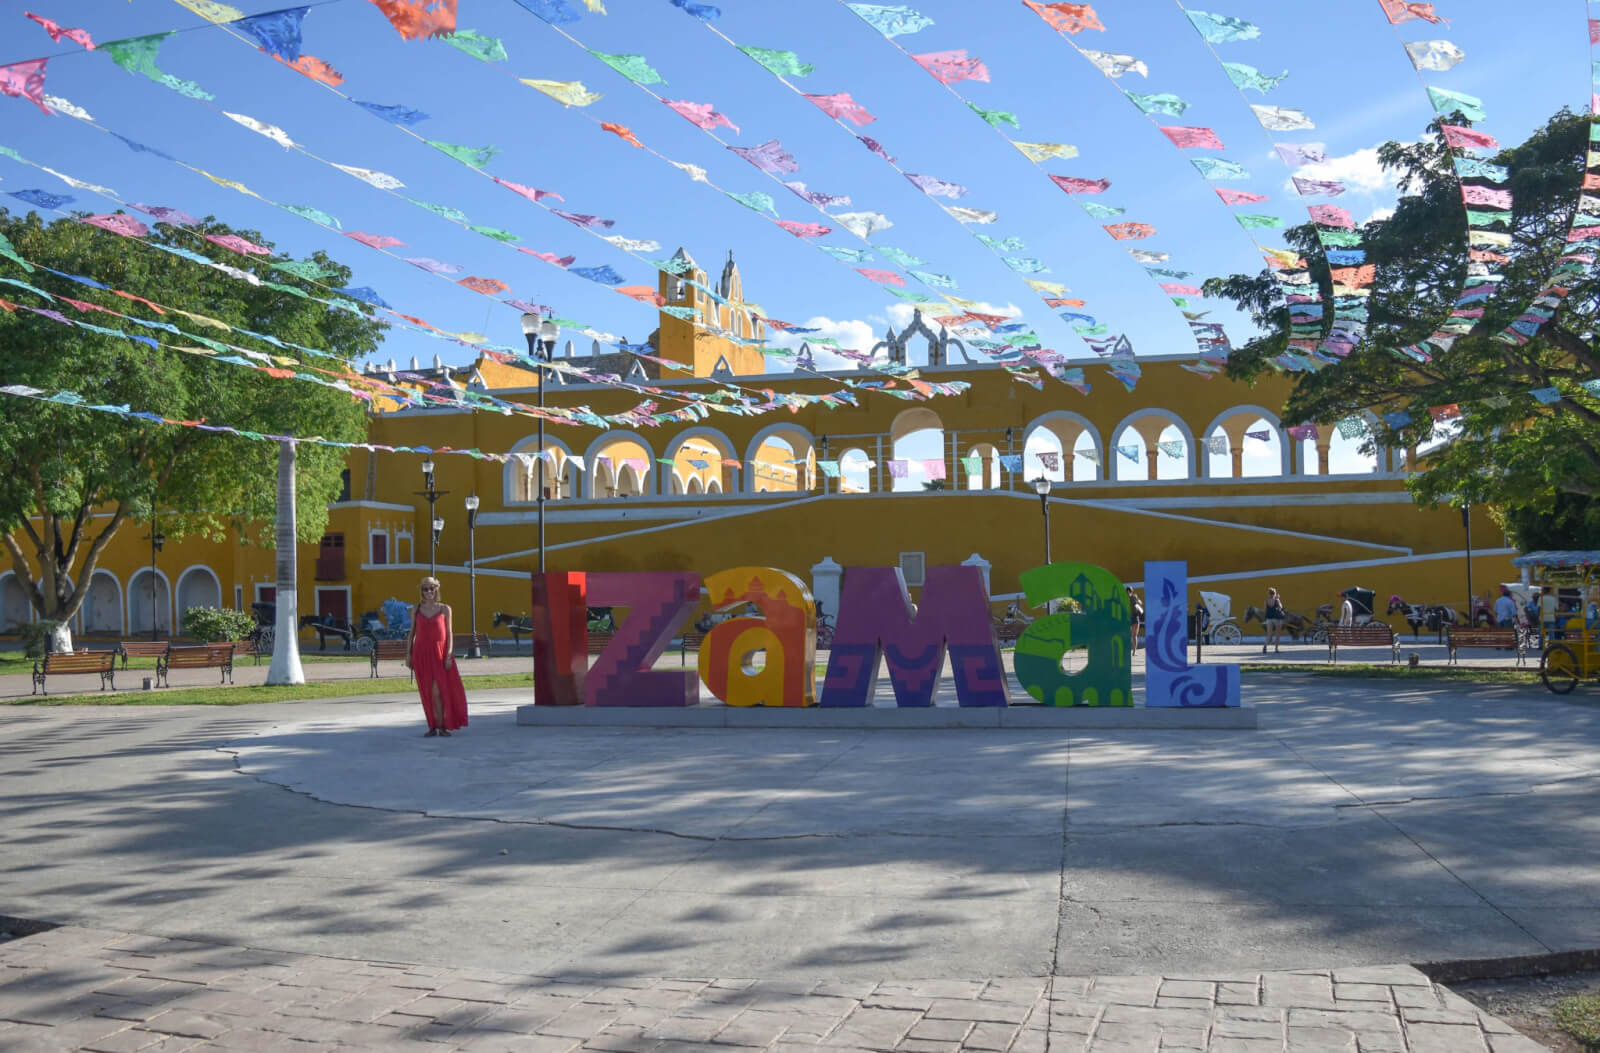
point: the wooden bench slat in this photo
(141, 649)
(217, 656)
(1373, 634)
(62, 662)
(387, 650)
(1493, 639)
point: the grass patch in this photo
(1579, 1016)
(1363, 671)
(228, 695)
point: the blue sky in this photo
(1347, 71)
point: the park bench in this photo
(247, 648)
(217, 656)
(63, 662)
(1498, 639)
(389, 651)
(1373, 634)
(156, 649)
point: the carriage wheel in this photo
(1317, 634)
(364, 644)
(1559, 669)
(264, 641)
(1226, 633)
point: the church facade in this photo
(1181, 467)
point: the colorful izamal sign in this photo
(878, 627)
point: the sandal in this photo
(444, 733)
(431, 733)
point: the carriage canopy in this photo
(1219, 605)
(1361, 599)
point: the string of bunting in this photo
(848, 114)
(279, 36)
(950, 68)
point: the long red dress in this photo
(428, 653)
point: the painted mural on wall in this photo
(878, 628)
(1101, 627)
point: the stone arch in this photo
(989, 475)
(15, 610)
(712, 448)
(198, 586)
(855, 471)
(1141, 421)
(908, 434)
(1337, 443)
(696, 485)
(801, 442)
(139, 614)
(615, 449)
(102, 607)
(1068, 428)
(524, 476)
(1234, 422)
(714, 486)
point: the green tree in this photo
(73, 478)
(1506, 449)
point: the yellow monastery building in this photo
(1215, 481)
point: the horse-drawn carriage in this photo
(393, 624)
(261, 637)
(1218, 625)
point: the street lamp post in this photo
(156, 539)
(434, 521)
(473, 651)
(542, 334)
(1041, 486)
(1466, 524)
(823, 444)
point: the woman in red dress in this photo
(429, 650)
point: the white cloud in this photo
(1378, 213)
(853, 334)
(857, 335)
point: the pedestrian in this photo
(1505, 609)
(1347, 612)
(1272, 620)
(1135, 615)
(430, 654)
(1591, 613)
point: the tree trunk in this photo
(285, 668)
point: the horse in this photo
(326, 627)
(1297, 625)
(1432, 616)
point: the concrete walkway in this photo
(323, 870)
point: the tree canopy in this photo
(1507, 448)
(63, 464)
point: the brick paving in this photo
(75, 988)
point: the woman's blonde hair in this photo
(430, 580)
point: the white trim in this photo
(383, 506)
(1216, 524)
(144, 597)
(194, 568)
(388, 545)
(349, 600)
(1160, 413)
(719, 512)
(1274, 501)
(33, 615)
(1358, 564)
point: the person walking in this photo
(1272, 620)
(1347, 612)
(430, 655)
(1505, 609)
(1135, 615)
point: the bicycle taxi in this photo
(1569, 599)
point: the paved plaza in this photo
(315, 874)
